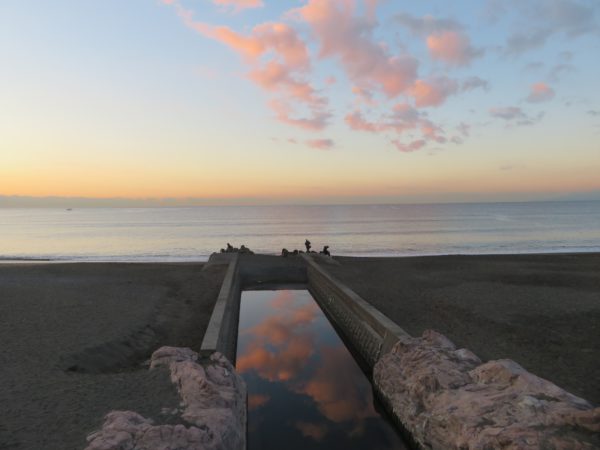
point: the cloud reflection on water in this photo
(283, 347)
(278, 347)
(257, 400)
(336, 387)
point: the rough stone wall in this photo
(213, 417)
(447, 399)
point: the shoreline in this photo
(204, 259)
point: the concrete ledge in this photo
(270, 270)
(369, 332)
(221, 333)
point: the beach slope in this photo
(543, 311)
(75, 337)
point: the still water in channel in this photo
(305, 390)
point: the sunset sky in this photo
(304, 101)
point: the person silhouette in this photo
(307, 245)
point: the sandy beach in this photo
(543, 311)
(75, 337)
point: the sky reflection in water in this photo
(304, 388)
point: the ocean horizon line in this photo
(146, 203)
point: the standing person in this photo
(307, 245)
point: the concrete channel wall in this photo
(245, 272)
(369, 332)
(222, 330)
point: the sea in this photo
(192, 234)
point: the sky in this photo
(303, 101)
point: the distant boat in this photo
(69, 209)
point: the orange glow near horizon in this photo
(99, 184)
(287, 106)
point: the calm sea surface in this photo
(186, 234)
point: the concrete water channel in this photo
(306, 345)
(305, 389)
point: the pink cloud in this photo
(472, 83)
(239, 4)
(356, 121)
(426, 25)
(464, 129)
(403, 119)
(278, 38)
(321, 144)
(515, 115)
(285, 42)
(363, 95)
(412, 146)
(432, 92)
(405, 113)
(250, 47)
(276, 77)
(344, 33)
(508, 112)
(316, 121)
(446, 39)
(279, 63)
(432, 132)
(540, 92)
(452, 47)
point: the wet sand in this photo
(543, 311)
(75, 337)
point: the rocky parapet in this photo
(447, 399)
(213, 397)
